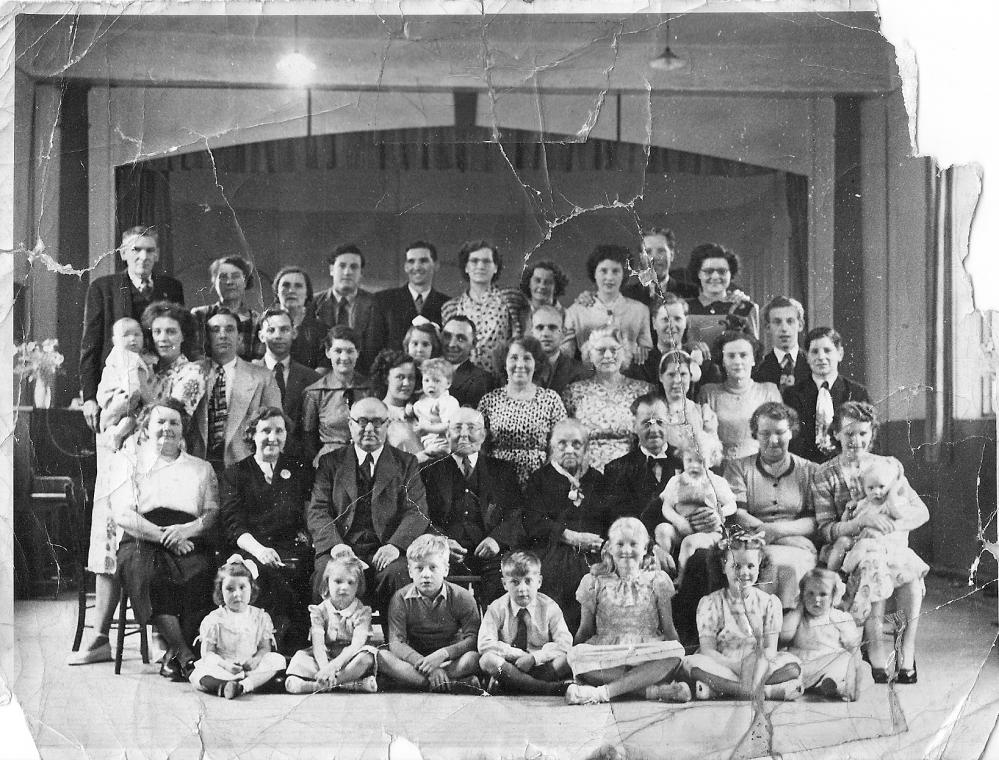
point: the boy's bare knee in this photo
(491, 663)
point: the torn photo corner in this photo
(782, 130)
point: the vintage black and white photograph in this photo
(469, 380)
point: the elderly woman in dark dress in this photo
(167, 505)
(565, 518)
(263, 515)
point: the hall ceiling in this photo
(791, 54)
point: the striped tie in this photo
(218, 413)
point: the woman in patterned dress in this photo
(603, 403)
(172, 328)
(497, 313)
(520, 415)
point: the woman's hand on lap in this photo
(385, 556)
(269, 557)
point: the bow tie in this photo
(663, 461)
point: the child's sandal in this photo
(702, 691)
(231, 689)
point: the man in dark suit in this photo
(785, 363)
(345, 303)
(470, 382)
(474, 500)
(817, 397)
(635, 480)
(559, 369)
(398, 307)
(235, 391)
(110, 298)
(277, 333)
(658, 252)
(369, 496)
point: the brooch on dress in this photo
(285, 474)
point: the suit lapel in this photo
(123, 297)
(386, 471)
(239, 401)
(345, 482)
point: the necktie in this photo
(786, 372)
(279, 376)
(657, 466)
(418, 302)
(823, 418)
(466, 466)
(520, 637)
(343, 312)
(145, 287)
(367, 471)
(218, 413)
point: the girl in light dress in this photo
(340, 656)
(826, 639)
(626, 643)
(237, 639)
(738, 628)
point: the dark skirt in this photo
(562, 568)
(159, 582)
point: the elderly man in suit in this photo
(398, 307)
(474, 500)
(784, 364)
(346, 303)
(236, 390)
(110, 298)
(370, 496)
(277, 333)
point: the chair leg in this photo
(143, 643)
(81, 613)
(122, 614)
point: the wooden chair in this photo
(123, 623)
(58, 508)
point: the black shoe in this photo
(170, 668)
(880, 675)
(184, 670)
(907, 675)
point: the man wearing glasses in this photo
(368, 495)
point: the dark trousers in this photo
(703, 575)
(488, 569)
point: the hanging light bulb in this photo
(296, 68)
(667, 60)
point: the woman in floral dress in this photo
(603, 403)
(497, 313)
(172, 327)
(520, 415)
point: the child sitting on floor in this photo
(738, 628)
(124, 381)
(523, 640)
(826, 639)
(340, 656)
(237, 639)
(692, 489)
(433, 625)
(436, 407)
(626, 643)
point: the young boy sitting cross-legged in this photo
(432, 625)
(523, 641)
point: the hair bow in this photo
(419, 321)
(249, 564)
(740, 537)
(342, 551)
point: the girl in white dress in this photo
(237, 639)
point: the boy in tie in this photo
(523, 639)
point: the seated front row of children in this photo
(626, 643)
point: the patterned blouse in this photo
(605, 412)
(519, 428)
(498, 317)
(628, 315)
(736, 625)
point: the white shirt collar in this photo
(414, 291)
(414, 593)
(138, 282)
(780, 354)
(361, 453)
(648, 453)
(270, 361)
(347, 611)
(472, 459)
(819, 380)
(533, 609)
(228, 367)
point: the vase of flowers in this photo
(39, 361)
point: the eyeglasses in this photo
(720, 271)
(363, 422)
